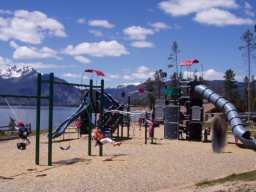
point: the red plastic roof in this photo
(141, 90)
(189, 62)
(98, 72)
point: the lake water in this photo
(27, 114)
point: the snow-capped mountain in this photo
(23, 81)
(126, 85)
(16, 72)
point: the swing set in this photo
(51, 83)
(23, 129)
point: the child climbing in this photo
(100, 139)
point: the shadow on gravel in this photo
(113, 157)
(71, 161)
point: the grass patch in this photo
(248, 176)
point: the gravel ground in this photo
(168, 165)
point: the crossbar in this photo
(25, 96)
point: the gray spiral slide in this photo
(238, 128)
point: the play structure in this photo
(184, 114)
(93, 101)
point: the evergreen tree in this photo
(174, 80)
(174, 56)
(159, 78)
(248, 47)
(149, 86)
(253, 93)
(230, 86)
(245, 92)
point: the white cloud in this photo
(4, 62)
(81, 21)
(142, 44)
(209, 12)
(82, 59)
(186, 7)
(249, 13)
(113, 76)
(247, 5)
(40, 65)
(159, 26)
(248, 9)
(2, 12)
(137, 32)
(98, 49)
(220, 17)
(96, 33)
(142, 69)
(100, 23)
(72, 75)
(210, 74)
(24, 52)
(142, 73)
(29, 27)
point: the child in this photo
(23, 131)
(150, 128)
(100, 140)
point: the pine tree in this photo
(248, 47)
(149, 87)
(159, 79)
(174, 56)
(230, 86)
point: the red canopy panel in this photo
(141, 90)
(189, 62)
(98, 72)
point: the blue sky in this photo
(128, 40)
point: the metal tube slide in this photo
(233, 116)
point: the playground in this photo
(153, 157)
(168, 165)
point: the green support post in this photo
(101, 111)
(90, 123)
(146, 125)
(128, 118)
(38, 105)
(122, 127)
(50, 119)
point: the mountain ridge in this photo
(23, 81)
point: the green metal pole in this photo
(101, 111)
(90, 123)
(122, 127)
(146, 125)
(128, 118)
(50, 119)
(38, 105)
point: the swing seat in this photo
(21, 146)
(67, 148)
